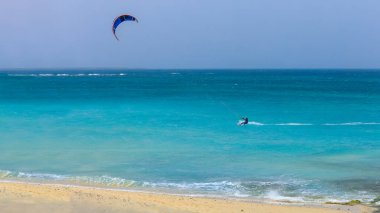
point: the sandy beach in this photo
(26, 197)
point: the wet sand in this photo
(41, 198)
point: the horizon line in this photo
(168, 69)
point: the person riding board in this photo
(244, 121)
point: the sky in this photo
(187, 34)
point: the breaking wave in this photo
(67, 75)
(272, 189)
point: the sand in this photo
(41, 198)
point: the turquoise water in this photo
(314, 135)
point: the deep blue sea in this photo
(313, 136)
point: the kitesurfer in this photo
(244, 121)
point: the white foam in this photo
(310, 124)
(96, 180)
(208, 185)
(225, 188)
(275, 195)
(40, 176)
(273, 189)
(255, 123)
(279, 124)
(45, 75)
(293, 124)
(67, 74)
(5, 174)
(19, 75)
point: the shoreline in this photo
(218, 189)
(23, 197)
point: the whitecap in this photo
(45, 75)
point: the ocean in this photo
(313, 135)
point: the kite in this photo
(120, 20)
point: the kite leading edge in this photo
(119, 20)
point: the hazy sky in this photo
(190, 34)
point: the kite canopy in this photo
(120, 20)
